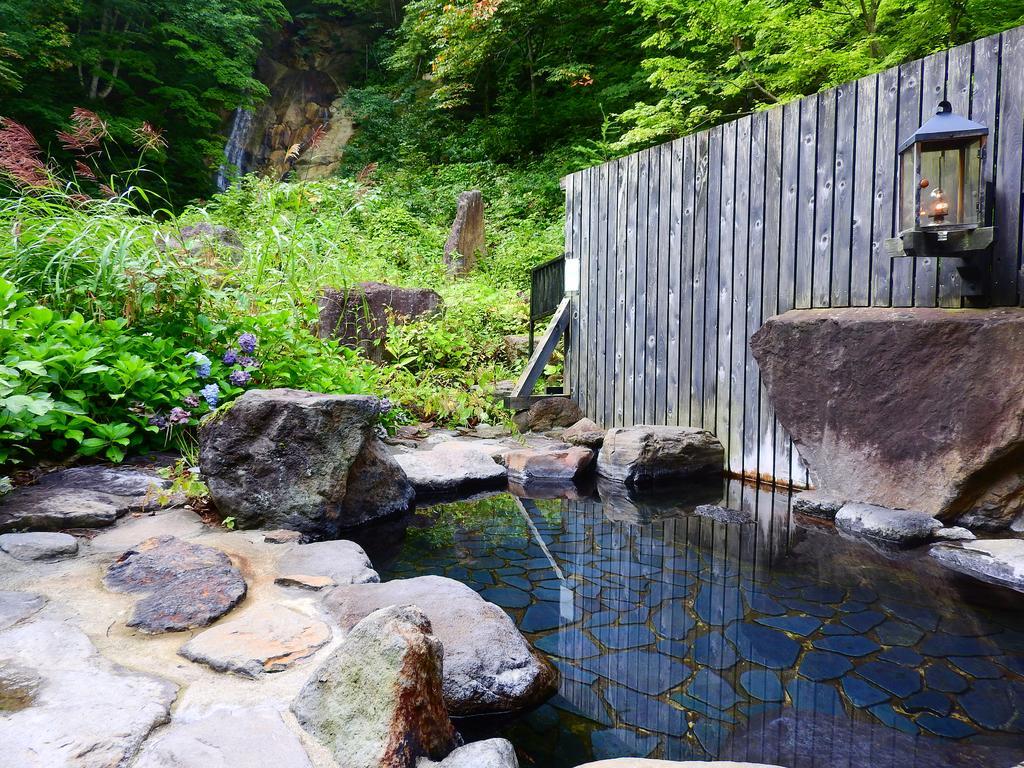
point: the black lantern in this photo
(942, 195)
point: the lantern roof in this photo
(945, 124)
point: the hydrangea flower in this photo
(248, 362)
(247, 342)
(386, 405)
(158, 421)
(211, 394)
(179, 416)
(192, 401)
(230, 357)
(239, 378)
(202, 364)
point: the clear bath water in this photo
(685, 638)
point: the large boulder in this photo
(451, 468)
(642, 455)
(376, 702)
(548, 413)
(488, 665)
(895, 526)
(184, 585)
(1000, 561)
(359, 317)
(905, 408)
(466, 240)
(83, 497)
(286, 458)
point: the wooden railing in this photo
(546, 291)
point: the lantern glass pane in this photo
(941, 187)
(972, 191)
(908, 187)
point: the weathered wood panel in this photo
(689, 246)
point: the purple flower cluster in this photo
(179, 416)
(239, 378)
(192, 401)
(230, 357)
(247, 343)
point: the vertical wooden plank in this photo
(571, 377)
(585, 393)
(726, 236)
(701, 197)
(755, 274)
(1006, 256)
(863, 171)
(806, 189)
(599, 314)
(657, 338)
(792, 139)
(611, 350)
(686, 187)
(629, 326)
(621, 267)
(908, 120)
(711, 278)
(674, 326)
(933, 90)
(887, 105)
(843, 193)
(960, 62)
(741, 244)
(824, 180)
(770, 275)
(647, 199)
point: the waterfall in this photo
(234, 150)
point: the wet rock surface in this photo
(376, 702)
(227, 737)
(452, 467)
(18, 606)
(340, 561)
(82, 497)
(817, 504)
(300, 460)
(639, 456)
(185, 585)
(896, 526)
(891, 422)
(38, 546)
(488, 665)
(264, 639)
(1000, 561)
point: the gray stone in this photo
(452, 467)
(488, 667)
(267, 638)
(955, 533)
(547, 414)
(492, 753)
(360, 317)
(38, 546)
(18, 606)
(283, 537)
(83, 497)
(724, 514)
(466, 241)
(185, 585)
(234, 737)
(376, 702)
(344, 562)
(874, 399)
(817, 504)
(85, 711)
(1000, 561)
(301, 460)
(586, 433)
(551, 464)
(896, 526)
(642, 455)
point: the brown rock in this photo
(360, 316)
(904, 408)
(641, 455)
(525, 465)
(547, 414)
(466, 241)
(584, 432)
(282, 537)
(185, 585)
(268, 638)
(376, 702)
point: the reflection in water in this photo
(682, 637)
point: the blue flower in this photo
(248, 362)
(211, 394)
(239, 378)
(230, 357)
(247, 342)
(202, 364)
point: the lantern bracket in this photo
(969, 250)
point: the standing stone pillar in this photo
(466, 240)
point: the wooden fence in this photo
(687, 247)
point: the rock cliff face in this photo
(907, 408)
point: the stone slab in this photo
(41, 545)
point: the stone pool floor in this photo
(683, 637)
